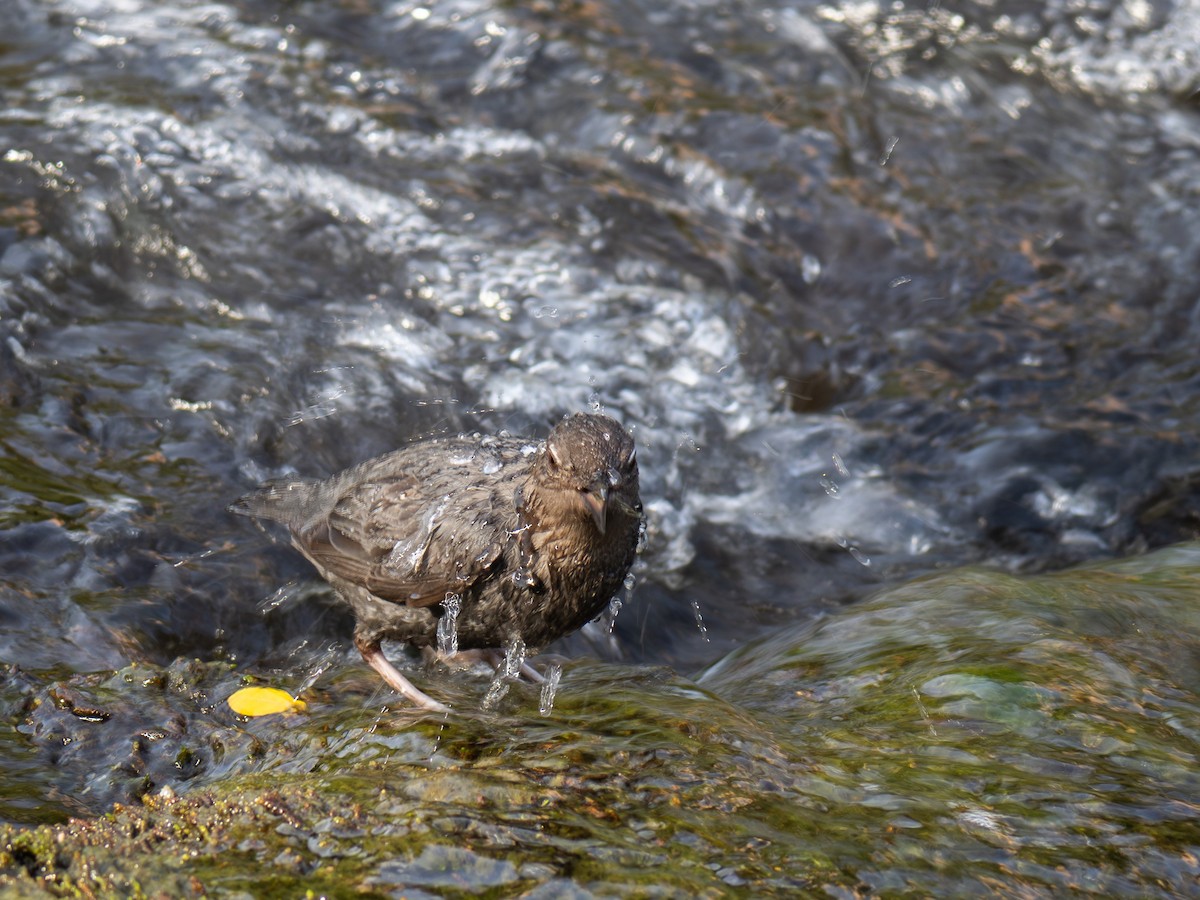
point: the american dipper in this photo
(498, 539)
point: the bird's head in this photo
(590, 464)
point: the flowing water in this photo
(881, 290)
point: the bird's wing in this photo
(409, 536)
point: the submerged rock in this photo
(964, 733)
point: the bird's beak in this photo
(595, 500)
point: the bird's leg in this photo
(371, 652)
(495, 658)
(498, 660)
(532, 674)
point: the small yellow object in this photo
(263, 701)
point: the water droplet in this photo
(522, 577)
(856, 554)
(447, 628)
(549, 689)
(887, 153)
(614, 607)
(699, 619)
(831, 486)
(840, 465)
(608, 619)
(859, 556)
(437, 741)
(547, 312)
(285, 594)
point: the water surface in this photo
(881, 290)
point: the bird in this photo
(471, 542)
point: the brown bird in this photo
(490, 540)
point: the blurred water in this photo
(993, 733)
(879, 289)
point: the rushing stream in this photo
(900, 303)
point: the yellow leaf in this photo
(263, 701)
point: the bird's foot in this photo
(374, 657)
(458, 661)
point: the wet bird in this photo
(473, 542)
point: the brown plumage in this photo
(527, 540)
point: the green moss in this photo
(966, 733)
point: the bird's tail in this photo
(283, 500)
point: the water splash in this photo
(495, 692)
(283, 595)
(549, 689)
(409, 554)
(321, 408)
(325, 659)
(514, 658)
(447, 628)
